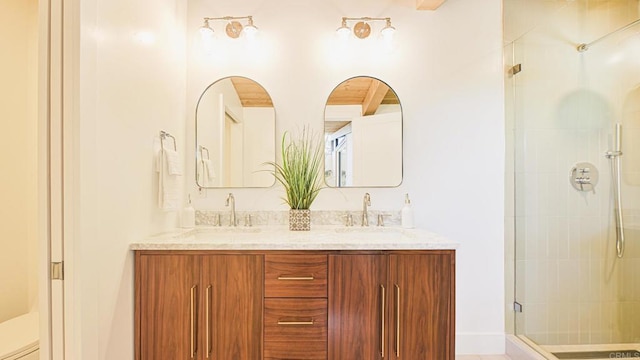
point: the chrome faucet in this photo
(232, 218)
(365, 214)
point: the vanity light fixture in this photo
(233, 29)
(362, 29)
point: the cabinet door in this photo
(167, 307)
(421, 324)
(357, 311)
(232, 306)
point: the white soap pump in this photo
(407, 213)
(188, 216)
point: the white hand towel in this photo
(206, 173)
(174, 164)
(168, 185)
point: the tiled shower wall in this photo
(561, 110)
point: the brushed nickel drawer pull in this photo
(309, 322)
(286, 277)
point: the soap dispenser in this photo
(407, 213)
(188, 216)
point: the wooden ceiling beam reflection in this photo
(428, 4)
(376, 93)
(332, 126)
(362, 91)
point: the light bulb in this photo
(206, 37)
(344, 31)
(250, 30)
(388, 32)
(206, 32)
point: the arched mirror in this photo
(235, 135)
(363, 135)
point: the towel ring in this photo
(164, 135)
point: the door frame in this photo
(57, 81)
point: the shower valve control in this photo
(584, 177)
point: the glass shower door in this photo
(578, 297)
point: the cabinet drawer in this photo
(295, 276)
(290, 350)
(295, 319)
(295, 329)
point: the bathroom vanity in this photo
(332, 293)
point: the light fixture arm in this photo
(366, 18)
(227, 18)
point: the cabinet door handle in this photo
(382, 322)
(192, 313)
(397, 321)
(296, 322)
(294, 278)
(208, 321)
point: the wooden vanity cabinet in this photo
(295, 305)
(198, 306)
(398, 306)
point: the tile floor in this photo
(482, 357)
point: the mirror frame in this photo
(275, 148)
(324, 117)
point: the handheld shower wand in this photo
(616, 176)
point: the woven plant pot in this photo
(299, 220)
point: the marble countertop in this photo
(281, 238)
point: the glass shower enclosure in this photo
(573, 174)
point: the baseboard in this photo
(480, 343)
(519, 350)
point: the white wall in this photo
(259, 135)
(446, 70)
(132, 85)
(377, 150)
(18, 151)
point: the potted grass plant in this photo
(300, 174)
